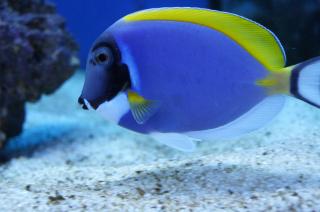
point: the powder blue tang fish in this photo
(187, 74)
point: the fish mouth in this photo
(82, 103)
(86, 105)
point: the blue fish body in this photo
(200, 76)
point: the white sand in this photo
(89, 165)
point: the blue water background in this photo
(86, 19)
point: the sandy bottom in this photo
(81, 162)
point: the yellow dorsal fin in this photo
(256, 39)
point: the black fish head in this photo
(105, 76)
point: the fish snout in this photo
(88, 104)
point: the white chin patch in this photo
(114, 110)
(88, 104)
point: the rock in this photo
(37, 55)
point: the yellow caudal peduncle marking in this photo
(257, 40)
(278, 82)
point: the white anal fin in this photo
(177, 141)
(251, 121)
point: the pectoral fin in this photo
(142, 109)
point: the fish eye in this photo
(102, 56)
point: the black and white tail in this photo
(305, 81)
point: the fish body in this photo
(182, 74)
(186, 67)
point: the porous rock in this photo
(37, 55)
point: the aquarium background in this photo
(89, 19)
(67, 159)
(287, 19)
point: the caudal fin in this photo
(305, 81)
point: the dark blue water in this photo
(86, 19)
